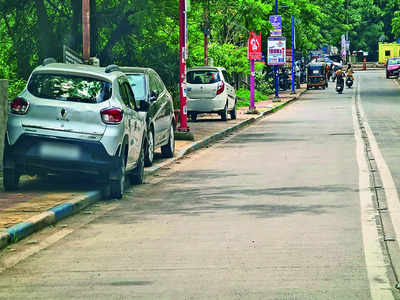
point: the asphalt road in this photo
(272, 212)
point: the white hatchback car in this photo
(210, 90)
(76, 119)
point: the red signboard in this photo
(254, 51)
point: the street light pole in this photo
(276, 98)
(182, 63)
(293, 57)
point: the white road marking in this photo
(379, 283)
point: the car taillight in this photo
(112, 115)
(19, 106)
(221, 87)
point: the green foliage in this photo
(244, 97)
(262, 85)
(146, 32)
(15, 87)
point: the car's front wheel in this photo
(117, 186)
(149, 152)
(169, 149)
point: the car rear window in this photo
(138, 85)
(69, 88)
(203, 77)
(394, 61)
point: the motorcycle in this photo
(339, 86)
(349, 81)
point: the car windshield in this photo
(203, 77)
(69, 88)
(394, 61)
(137, 83)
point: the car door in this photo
(156, 108)
(229, 89)
(130, 116)
(166, 110)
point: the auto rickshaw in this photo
(316, 76)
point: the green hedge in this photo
(244, 97)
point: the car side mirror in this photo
(144, 105)
(154, 96)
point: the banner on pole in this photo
(254, 49)
(276, 22)
(276, 51)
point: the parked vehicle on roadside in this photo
(210, 90)
(393, 67)
(76, 119)
(148, 86)
(316, 76)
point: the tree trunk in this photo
(46, 47)
(76, 33)
(93, 29)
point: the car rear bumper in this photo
(206, 105)
(33, 154)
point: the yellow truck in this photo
(388, 50)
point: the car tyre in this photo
(10, 179)
(168, 150)
(233, 112)
(137, 177)
(224, 113)
(149, 152)
(193, 116)
(117, 187)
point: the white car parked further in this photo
(210, 90)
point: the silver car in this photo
(210, 90)
(147, 85)
(76, 118)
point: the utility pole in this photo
(182, 62)
(206, 32)
(293, 55)
(276, 98)
(347, 32)
(86, 29)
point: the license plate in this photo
(59, 151)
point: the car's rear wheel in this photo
(233, 112)
(193, 116)
(169, 149)
(137, 177)
(224, 113)
(117, 187)
(10, 179)
(149, 152)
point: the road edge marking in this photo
(379, 282)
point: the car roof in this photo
(136, 69)
(207, 68)
(79, 69)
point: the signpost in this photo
(276, 51)
(276, 22)
(254, 52)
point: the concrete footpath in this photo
(42, 202)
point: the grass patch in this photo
(244, 97)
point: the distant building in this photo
(388, 50)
